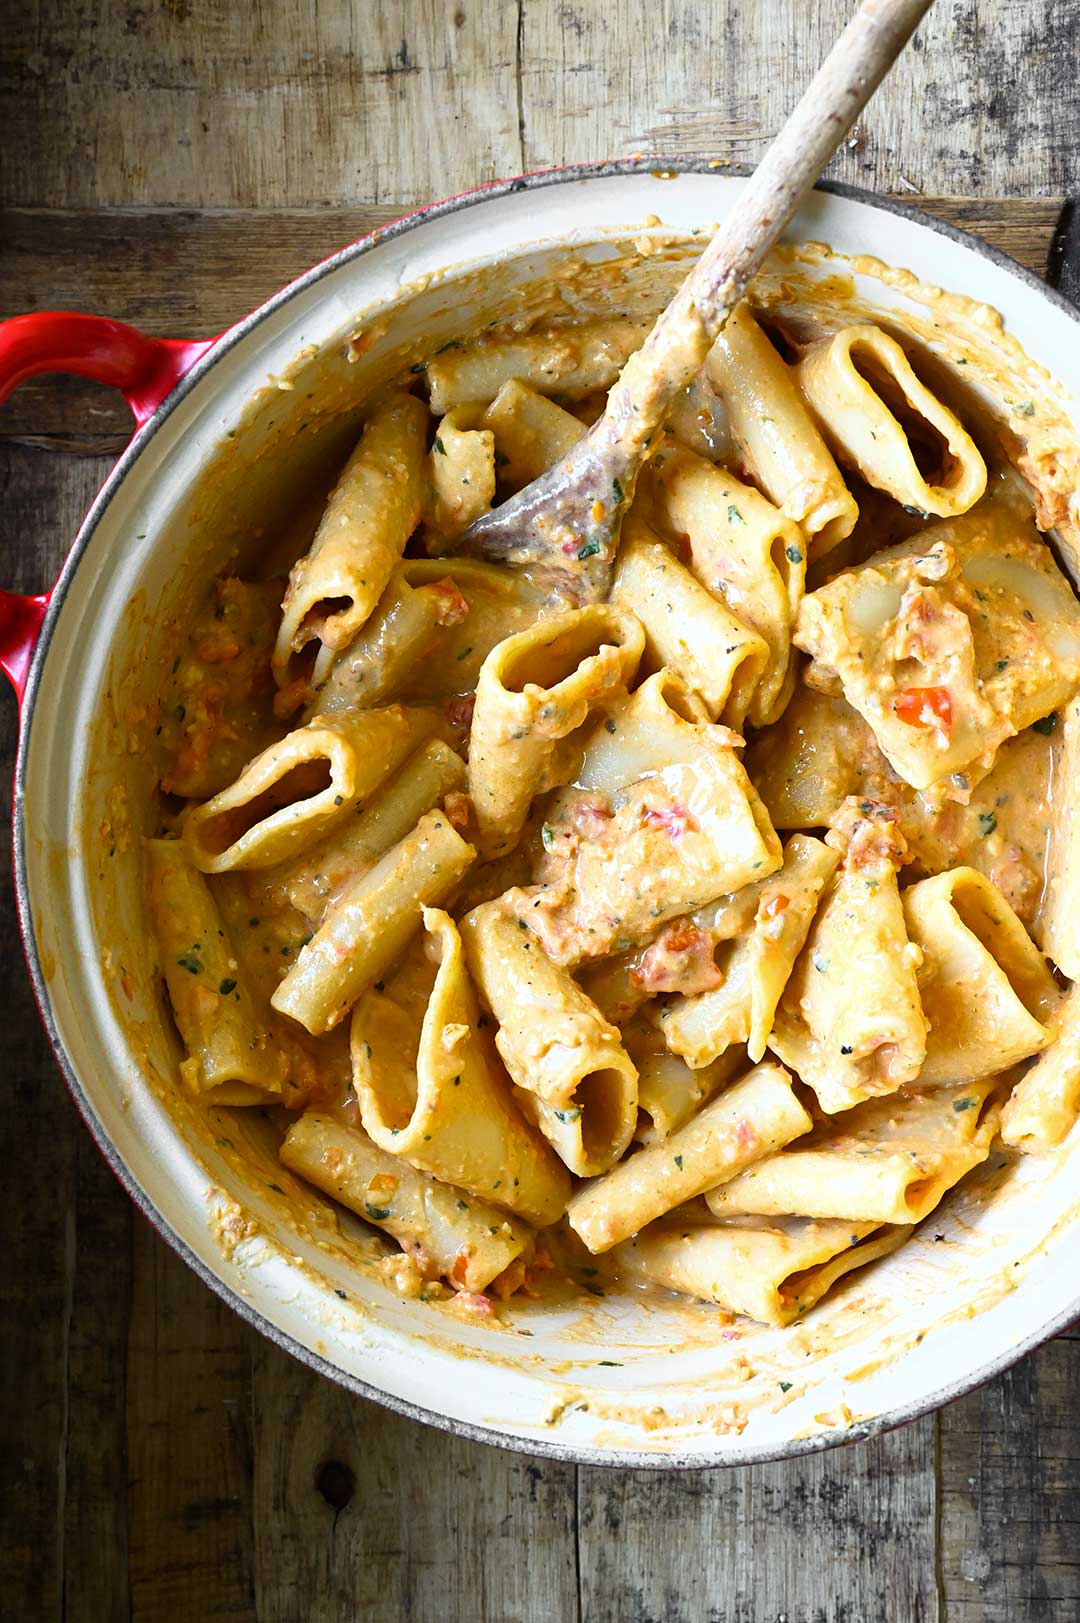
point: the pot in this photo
(226, 430)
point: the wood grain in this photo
(192, 104)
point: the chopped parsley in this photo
(1025, 408)
(785, 1386)
(793, 555)
(378, 1214)
(228, 985)
(439, 446)
(1046, 724)
(963, 1104)
(734, 516)
(820, 962)
(617, 490)
(571, 1113)
(588, 549)
(678, 1162)
(547, 834)
(987, 823)
(188, 961)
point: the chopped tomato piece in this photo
(775, 904)
(453, 607)
(460, 1268)
(674, 820)
(926, 707)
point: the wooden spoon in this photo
(565, 525)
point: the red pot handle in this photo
(144, 369)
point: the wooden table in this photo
(172, 165)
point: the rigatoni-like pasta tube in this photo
(291, 794)
(1045, 1104)
(752, 1118)
(986, 989)
(776, 434)
(570, 361)
(531, 432)
(232, 1058)
(757, 965)
(431, 1087)
(772, 1270)
(742, 548)
(672, 822)
(687, 628)
(534, 689)
(850, 1021)
(462, 473)
(669, 1092)
(320, 876)
(370, 926)
(461, 1239)
(372, 511)
(887, 1161)
(948, 643)
(555, 1043)
(881, 419)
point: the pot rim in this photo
(541, 1447)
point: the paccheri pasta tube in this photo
(365, 931)
(662, 819)
(887, 1161)
(882, 419)
(372, 511)
(291, 794)
(531, 432)
(534, 690)
(452, 1235)
(985, 987)
(776, 434)
(772, 1270)
(232, 1056)
(688, 629)
(462, 476)
(754, 970)
(571, 361)
(432, 1089)
(849, 1048)
(742, 548)
(564, 1056)
(320, 876)
(752, 1118)
(1045, 1104)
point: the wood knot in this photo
(336, 1481)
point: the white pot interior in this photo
(632, 1377)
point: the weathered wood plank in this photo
(387, 1520)
(194, 104)
(192, 273)
(189, 1446)
(56, 1229)
(847, 1535)
(1010, 1507)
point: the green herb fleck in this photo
(188, 961)
(457, 1081)
(465, 652)
(378, 1214)
(1025, 408)
(547, 834)
(963, 1104)
(610, 725)
(1002, 664)
(339, 800)
(734, 516)
(227, 986)
(987, 823)
(463, 1205)
(418, 366)
(610, 1363)
(180, 712)
(820, 962)
(785, 1386)
(1046, 724)
(572, 1113)
(589, 549)
(617, 490)
(451, 343)
(793, 555)
(439, 446)
(678, 1162)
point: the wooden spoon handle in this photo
(681, 339)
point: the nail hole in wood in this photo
(336, 1481)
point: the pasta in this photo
(741, 548)
(717, 928)
(883, 421)
(887, 1161)
(777, 436)
(372, 510)
(577, 1079)
(534, 690)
